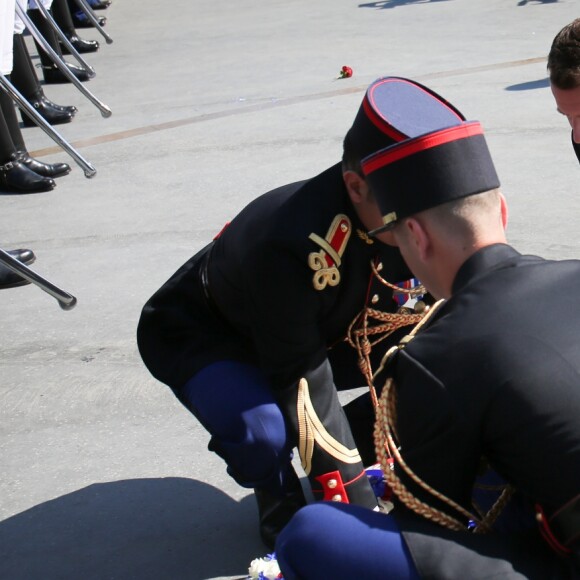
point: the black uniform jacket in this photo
(285, 279)
(576, 148)
(494, 374)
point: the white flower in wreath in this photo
(265, 568)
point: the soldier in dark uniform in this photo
(249, 333)
(484, 380)
(564, 69)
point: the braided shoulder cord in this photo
(425, 316)
(359, 331)
(386, 447)
(362, 327)
(495, 511)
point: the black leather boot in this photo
(9, 278)
(44, 169)
(275, 511)
(15, 177)
(80, 45)
(49, 111)
(53, 75)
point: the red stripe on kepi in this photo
(395, 109)
(377, 112)
(397, 152)
(381, 124)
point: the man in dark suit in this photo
(250, 333)
(489, 379)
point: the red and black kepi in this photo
(418, 174)
(395, 109)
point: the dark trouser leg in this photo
(62, 16)
(12, 126)
(7, 148)
(234, 403)
(23, 75)
(49, 35)
(343, 542)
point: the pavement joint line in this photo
(283, 102)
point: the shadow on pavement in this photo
(169, 528)
(524, 2)
(394, 3)
(530, 85)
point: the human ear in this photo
(418, 236)
(356, 186)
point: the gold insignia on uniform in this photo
(364, 236)
(311, 431)
(326, 262)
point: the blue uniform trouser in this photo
(234, 402)
(343, 542)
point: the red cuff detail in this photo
(333, 487)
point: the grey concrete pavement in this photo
(102, 474)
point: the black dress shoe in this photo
(275, 511)
(9, 278)
(94, 4)
(23, 255)
(44, 169)
(99, 5)
(66, 108)
(80, 45)
(53, 75)
(15, 177)
(81, 20)
(49, 111)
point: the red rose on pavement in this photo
(345, 72)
